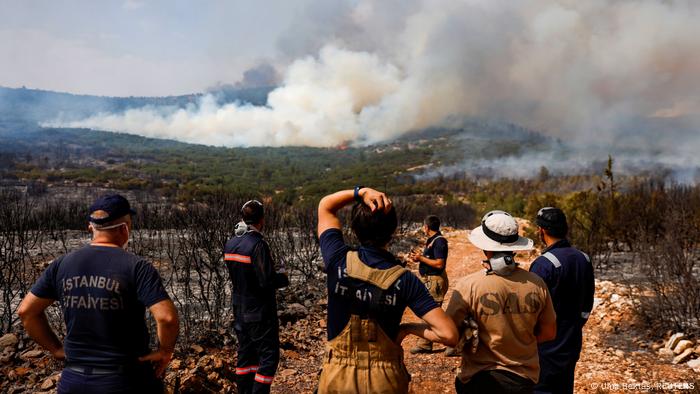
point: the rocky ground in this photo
(620, 354)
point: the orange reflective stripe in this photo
(237, 257)
(246, 370)
(263, 379)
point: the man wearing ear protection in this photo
(568, 273)
(255, 281)
(104, 292)
(512, 308)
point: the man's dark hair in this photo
(252, 212)
(556, 232)
(373, 228)
(433, 222)
(553, 221)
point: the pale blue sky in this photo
(133, 47)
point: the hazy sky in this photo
(133, 47)
(600, 72)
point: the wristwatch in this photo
(356, 193)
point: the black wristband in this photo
(356, 193)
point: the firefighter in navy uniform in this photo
(255, 281)
(432, 263)
(104, 292)
(568, 274)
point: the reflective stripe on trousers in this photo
(363, 359)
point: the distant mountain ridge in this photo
(22, 110)
(32, 106)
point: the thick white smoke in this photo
(582, 70)
(320, 103)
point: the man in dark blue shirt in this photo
(254, 281)
(568, 274)
(432, 268)
(368, 291)
(104, 292)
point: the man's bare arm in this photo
(435, 263)
(438, 327)
(546, 332)
(168, 325)
(32, 313)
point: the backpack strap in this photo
(433, 241)
(381, 278)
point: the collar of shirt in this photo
(433, 237)
(375, 257)
(562, 243)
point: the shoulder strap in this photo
(381, 278)
(433, 241)
(552, 259)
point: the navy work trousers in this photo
(258, 355)
(73, 382)
(555, 378)
(495, 381)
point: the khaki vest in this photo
(362, 358)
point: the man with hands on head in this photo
(104, 292)
(368, 291)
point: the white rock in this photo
(6, 358)
(694, 364)
(286, 373)
(673, 341)
(48, 384)
(8, 340)
(682, 345)
(682, 357)
(596, 302)
(614, 298)
(31, 354)
(298, 308)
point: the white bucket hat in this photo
(499, 233)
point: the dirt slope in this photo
(615, 351)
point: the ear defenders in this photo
(251, 202)
(240, 229)
(501, 263)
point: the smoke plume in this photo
(586, 71)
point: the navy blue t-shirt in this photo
(104, 292)
(435, 248)
(406, 291)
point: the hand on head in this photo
(375, 200)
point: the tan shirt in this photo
(507, 309)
